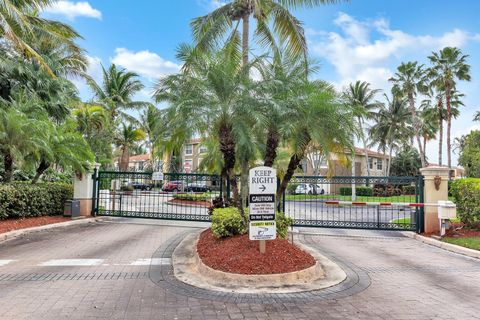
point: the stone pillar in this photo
(83, 190)
(436, 189)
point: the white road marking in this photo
(71, 262)
(153, 262)
(5, 262)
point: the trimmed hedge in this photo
(466, 193)
(227, 222)
(360, 191)
(192, 196)
(21, 200)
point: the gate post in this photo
(435, 189)
(83, 191)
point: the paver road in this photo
(104, 271)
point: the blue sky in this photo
(363, 40)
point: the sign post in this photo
(263, 188)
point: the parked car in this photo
(173, 186)
(307, 188)
(197, 187)
(140, 185)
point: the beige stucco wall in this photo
(432, 195)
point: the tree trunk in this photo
(124, 159)
(244, 182)
(449, 127)
(8, 166)
(425, 148)
(416, 127)
(389, 164)
(292, 166)
(365, 150)
(245, 37)
(44, 165)
(273, 140)
(440, 133)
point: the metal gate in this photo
(385, 203)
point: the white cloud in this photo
(356, 56)
(71, 10)
(145, 63)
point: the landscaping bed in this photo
(238, 254)
(17, 224)
(206, 204)
(468, 238)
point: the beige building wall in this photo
(192, 155)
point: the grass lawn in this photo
(402, 221)
(472, 242)
(349, 198)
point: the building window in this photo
(189, 149)
(202, 149)
(379, 164)
(187, 166)
(370, 163)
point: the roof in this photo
(194, 141)
(137, 158)
(361, 151)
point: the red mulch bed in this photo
(16, 224)
(240, 255)
(192, 203)
(456, 231)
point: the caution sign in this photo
(263, 187)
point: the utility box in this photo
(72, 209)
(447, 210)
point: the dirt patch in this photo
(462, 233)
(191, 203)
(240, 255)
(16, 224)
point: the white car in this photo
(307, 188)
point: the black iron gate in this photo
(311, 201)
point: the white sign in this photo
(263, 187)
(262, 230)
(157, 176)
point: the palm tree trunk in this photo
(292, 166)
(273, 140)
(416, 127)
(245, 37)
(440, 133)
(44, 165)
(244, 182)
(124, 159)
(425, 147)
(8, 167)
(389, 164)
(365, 150)
(449, 127)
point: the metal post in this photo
(94, 195)
(421, 218)
(378, 217)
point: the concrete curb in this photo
(446, 246)
(16, 233)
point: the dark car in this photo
(140, 185)
(197, 187)
(173, 186)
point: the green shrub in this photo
(192, 196)
(21, 200)
(386, 190)
(227, 222)
(127, 188)
(466, 193)
(408, 190)
(360, 191)
(291, 188)
(283, 222)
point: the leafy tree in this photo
(477, 116)
(448, 66)
(409, 81)
(469, 153)
(361, 98)
(126, 139)
(406, 162)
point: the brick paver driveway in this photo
(112, 270)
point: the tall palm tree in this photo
(117, 91)
(126, 138)
(272, 17)
(21, 25)
(449, 65)
(361, 98)
(409, 81)
(392, 126)
(477, 116)
(150, 120)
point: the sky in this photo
(354, 40)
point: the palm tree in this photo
(448, 66)
(126, 138)
(19, 136)
(117, 91)
(21, 25)
(360, 97)
(409, 80)
(477, 116)
(272, 18)
(150, 120)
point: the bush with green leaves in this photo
(360, 191)
(283, 222)
(22, 200)
(408, 190)
(466, 193)
(227, 222)
(192, 196)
